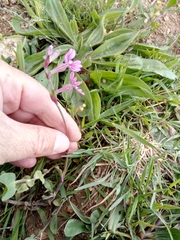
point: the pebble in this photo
(8, 2)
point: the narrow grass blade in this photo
(134, 135)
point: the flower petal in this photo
(60, 68)
(65, 88)
(54, 55)
(80, 91)
(49, 51)
(69, 55)
(75, 66)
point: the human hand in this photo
(30, 123)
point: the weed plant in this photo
(123, 182)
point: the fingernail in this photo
(61, 143)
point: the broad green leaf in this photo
(8, 179)
(115, 217)
(54, 224)
(79, 214)
(133, 5)
(94, 216)
(117, 82)
(148, 65)
(145, 65)
(33, 31)
(22, 188)
(49, 185)
(20, 56)
(113, 13)
(57, 14)
(117, 33)
(96, 103)
(78, 99)
(74, 227)
(74, 27)
(97, 35)
(163, 234)
(114, 46)
(171, 3)
(38, 175)
(38, 14)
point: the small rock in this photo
(13, 1)
(5, 2)
(8, 47)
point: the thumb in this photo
(20, 141)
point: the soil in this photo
(167, 32)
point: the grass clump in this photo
(123, 182)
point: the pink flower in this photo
(74, 84)
(74, 66)
(60, 68)
(50, 56)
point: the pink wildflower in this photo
(60, 68)
(74, 84)
(74, 66)
(50, 56)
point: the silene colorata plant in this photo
(124, 95)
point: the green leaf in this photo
(57, 14)
(134, 135)
(79, 214)
(116, 109)
(97, 35)
(145, 65)
(158, 206)
(33, 31)
(171, 3)
(38, 175)
(74, 27)
(113, 13)
(117, 33)
(118, 201)
(114, 46)
(54, 224)
(92, 184)
(115, 217)
(119, 83)
(163, 234)
(20, 55)
(133, 5)
(78, 99)
(8, 179)
(148, 65)
(22, 188)
(96, 103)
(74, 227)
(94, 216)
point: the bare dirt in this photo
(167, 33)
(168, 25)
